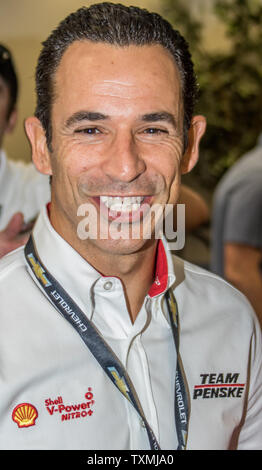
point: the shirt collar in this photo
(164, 270)
(65, 264)
(76, 275)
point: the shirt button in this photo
(142, 423)
(108, 285)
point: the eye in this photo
(155, 131)
(88, 131)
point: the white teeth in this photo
(122, 204)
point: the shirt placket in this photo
(138, 367)
(112, 319)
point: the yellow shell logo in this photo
(24, 415)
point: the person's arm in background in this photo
(14, 235)
(196, 208)
(242, 267)
(243, 242)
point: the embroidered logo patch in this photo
(69, 411)
(218, 386)
(24, 415)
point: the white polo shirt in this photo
(48, 374)
(22, 189)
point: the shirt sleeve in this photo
(250, 437)
(243, 219)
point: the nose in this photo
(123, 162)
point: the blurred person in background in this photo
(197, 211)
(236, 252)
(23, 190)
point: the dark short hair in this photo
(8, 74)
(117, 25)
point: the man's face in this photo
(4, 108)
(117, 132)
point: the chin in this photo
(122, 247)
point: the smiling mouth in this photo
(123, 208)
(123, 204)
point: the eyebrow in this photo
(85, 116)
(159, 116)
(96, 116)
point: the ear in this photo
(11, 123)
(195, 133)
(37, 138)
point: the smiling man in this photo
(110, 106)
(115, 344)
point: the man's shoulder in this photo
(210, 292)
(203, 274)
(195, 273)
(11, 263)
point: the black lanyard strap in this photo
(105, 356)
(181, 392)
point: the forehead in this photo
(131, 73)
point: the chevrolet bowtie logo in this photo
(120, 382)
(173, 307)
(38, 270)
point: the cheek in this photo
(68, 161)
(168, 161)
(169, 167)
(174, 187)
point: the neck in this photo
(134, 265)
(136, 272)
